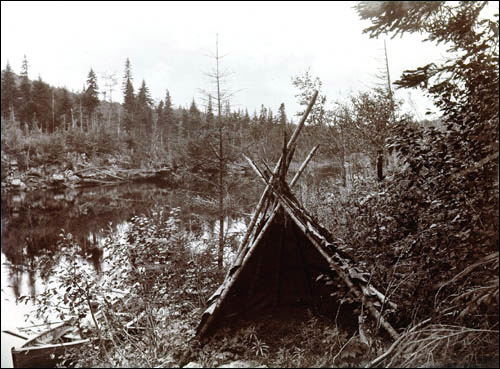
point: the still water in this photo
(32, 222)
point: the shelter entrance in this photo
(281, 272)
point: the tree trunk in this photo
(344, 171)
(380, 164)
(220, 257)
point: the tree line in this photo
(139, 122)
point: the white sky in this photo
(265, 43)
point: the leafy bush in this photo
(165, 281)
(77, 141)
(12, 136)
(36, 148)
(51, 147)
(429, 232)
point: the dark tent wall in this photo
(281, 272)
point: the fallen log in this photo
(96, 181)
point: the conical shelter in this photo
(283, 256)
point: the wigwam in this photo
(283, 254)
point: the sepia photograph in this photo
(249, 184)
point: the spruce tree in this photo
(143, 95)
(449, 180)
(25, 105)
(282, 115)
(168, 114)
(160, 113)
(9, 92)
(270, 118)
(184, 124)
(262, 115)
(144, 112)
(41, 95)
(194, 116)
(210, 112)
(91, 96)
(246, 118)
(63, 111)
(128, 96)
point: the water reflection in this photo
(32, 222)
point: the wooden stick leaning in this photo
(303, 166)
(289, 147)
(294, 179)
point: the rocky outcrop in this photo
(78, 174)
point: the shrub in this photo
(166, 282)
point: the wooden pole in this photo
(289, 158)
(296, 133)
(290, 146)
(303, 166)
(294, 180)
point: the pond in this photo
(32, 222)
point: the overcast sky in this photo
(265, 44)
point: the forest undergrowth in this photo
(167, 283)
(445, 287)
(446, 319)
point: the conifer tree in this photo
(41, 94)
(449, 182)
(9, 92)
(194, 117)
(143, 95)
(167, 121)
(128, 96)
(63, 110)
(282, 115)
(91, 96)
(219, 134)
(262, 115)
(168, 110)
(246, 119)
(25, 106)
(270, 118)
(210, 112)
(184, 123)
(159, 112)
(143, 111)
